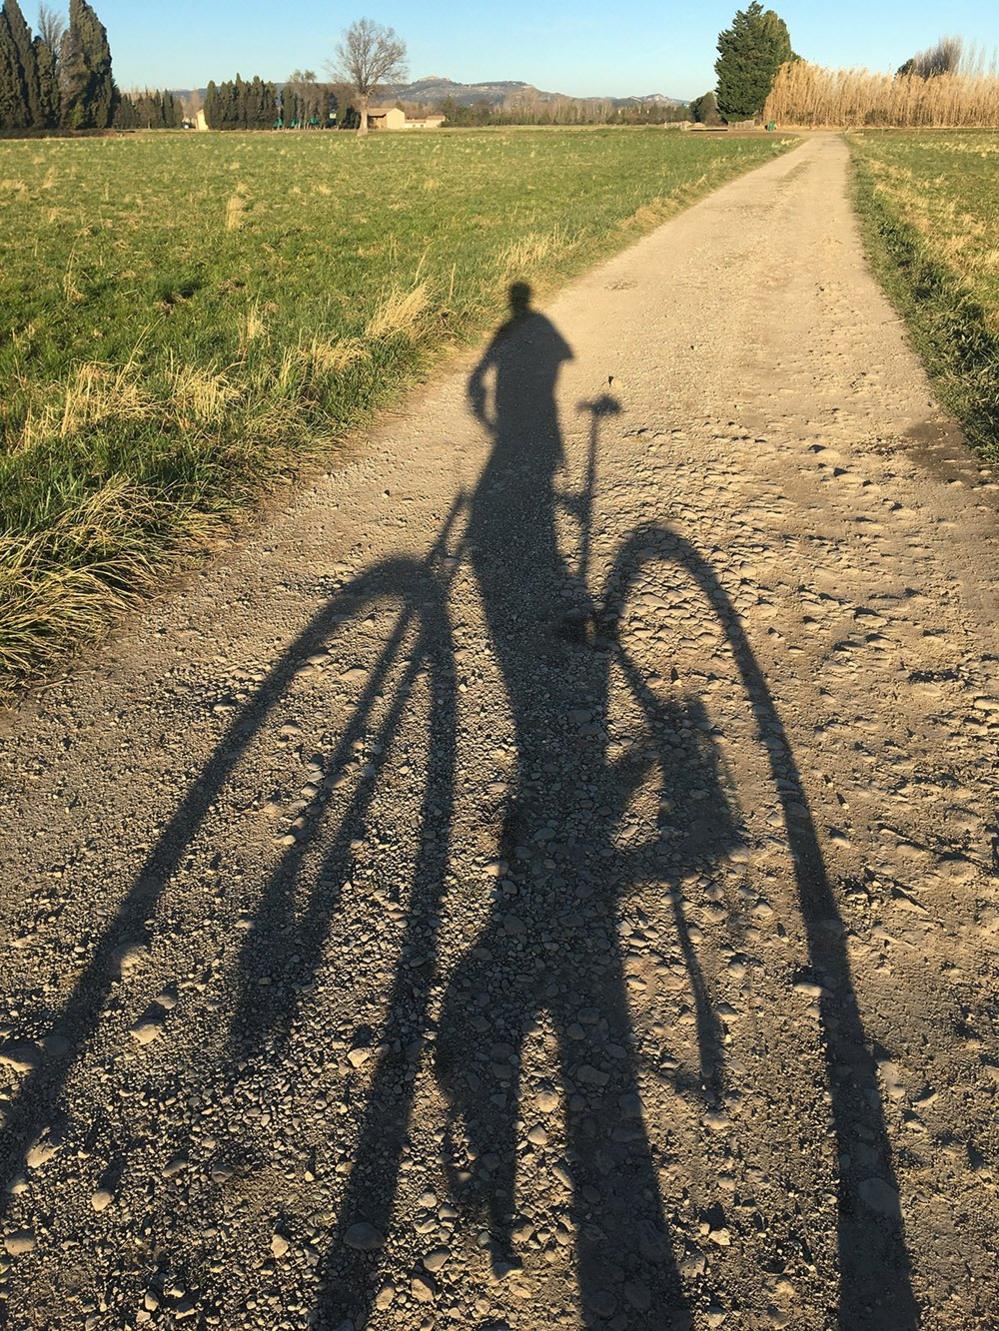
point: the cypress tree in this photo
(750, 53)
(27, 62)
(253, 102)
(72, 80)
(227, 102)
(13, 102)
(211, 106)
(89, 92)
(705, 110)
(125, 115)
(48, 83)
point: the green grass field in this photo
(190, 316)
(929, 204)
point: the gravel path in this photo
(545, 876)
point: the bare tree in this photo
(51, 28)
(301, 97)
(367, 55)
(942, 58)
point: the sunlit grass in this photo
(930, 209)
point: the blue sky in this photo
(581, 47)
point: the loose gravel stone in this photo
(19, 1242)
(363, 1237)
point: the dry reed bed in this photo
(809, 95)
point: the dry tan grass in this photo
(107, 567)
(805, 94)
(98, 394)
(200, 395)
(70, 290)
(325, 357)
(533, 250)
(401, 314)
(252, 325)
(235, 211)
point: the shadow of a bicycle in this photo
(550, 943)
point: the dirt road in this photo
(544, 877)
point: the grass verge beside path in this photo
(929, 208)
(189, 317)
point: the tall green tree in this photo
(211, 105)
(89, 95)
(13, 102)
(27, 61)
(705, 110)
(48, 83)
(750, 53)
(29, 96)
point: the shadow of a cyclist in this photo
(550, 946)
(550, 943)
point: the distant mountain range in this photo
(432, 90)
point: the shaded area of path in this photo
(651, 842)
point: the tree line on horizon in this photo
(151, 108)
(300, 102)
(61, 78)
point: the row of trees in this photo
(241, 104)
(149, 109)
(529, 109)
(301, 102)
(63, 77)
(59, 77)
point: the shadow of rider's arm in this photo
(477, 394)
